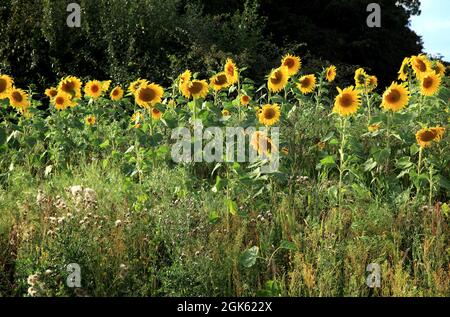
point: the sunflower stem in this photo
(341, 160)
(430, 195)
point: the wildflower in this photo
(331, 73)
(62, 101)
(148, 95)
(18, 98)
(429, 84)
(90, 120)
(426, 136)
(219, 81)
(71, 85)
(6, 83)
(307, 84)
(347, 102)
(196, 89)
(156, 114)
(278, 79)
(245, 100)
(117, 93)
(293, 63)
(231, 72)
(396, 97)
(51, 92)
(421, 65)
(269, 114)
(93, 89)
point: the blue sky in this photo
(434, 26)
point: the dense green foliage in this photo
(157, 39)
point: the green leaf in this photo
(328, 160)
(2, 136)
(288, 245)
(249, 256)
(104, 145)
(231, 206)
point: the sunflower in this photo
(372, 83)
(307, 84)
(262, 143)
(374, 127)
(134, 86)
(71, 85)
(225, 113)
(269, 114)
(231, 72)
(321, 145)
(245, 100)
(90, 120)
(331, 73)
(293, 63)
(421, 65)
(426, 136)
(106, 84)
(347, 102)
(148, 95)
(156, 114)
(361, 78)
(430, 83)
(93, 89)
(18, 98)
(403, 72)
(439, 68)
(6, 83)
(62, 101)
(185, 77)
(51, 92)
(396, 97)
(278, 79)
(117, 93)
(137, 118)
(196, 89)
(219, 81)
(285, 151)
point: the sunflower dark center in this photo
(269, 114)
(230, 70)
(290, 63)
(17, 96)
(147, 94)
(59, 100)
(346, 100)
(306, 82)
(2, 85)
(68, 87)
(115, 92)
(195, 88)
(276, 78)
(220, 80)
(95, 88)
(394, 96)
(427, 136)
(427, 82)
(421, 65)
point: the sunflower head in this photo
(307, 84)
(71, 85)
(347, 102)
(245, 100)
(219, 81)
(156, 114)
(426, 136)
(403, 72)
(231, 71)
(439, 68)
(51, 92)
(134, 86)
(293, 64)
(62, 101)
(396, 97)
(278, 79)
(421, 65)
(429, 84)
(330, 74)
(148, 95)
(6, 84)
(19, 99)
(195, 89)
(262, 143)
(374, 127)
(185, 77)
(225, 113)
(136, 119)
(93, 89)
(106, 84)
(117, 93)
(269, 114)
(372, 83)
(361, 78)
(285, 151)
(90, 120)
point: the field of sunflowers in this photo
(363, 179)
